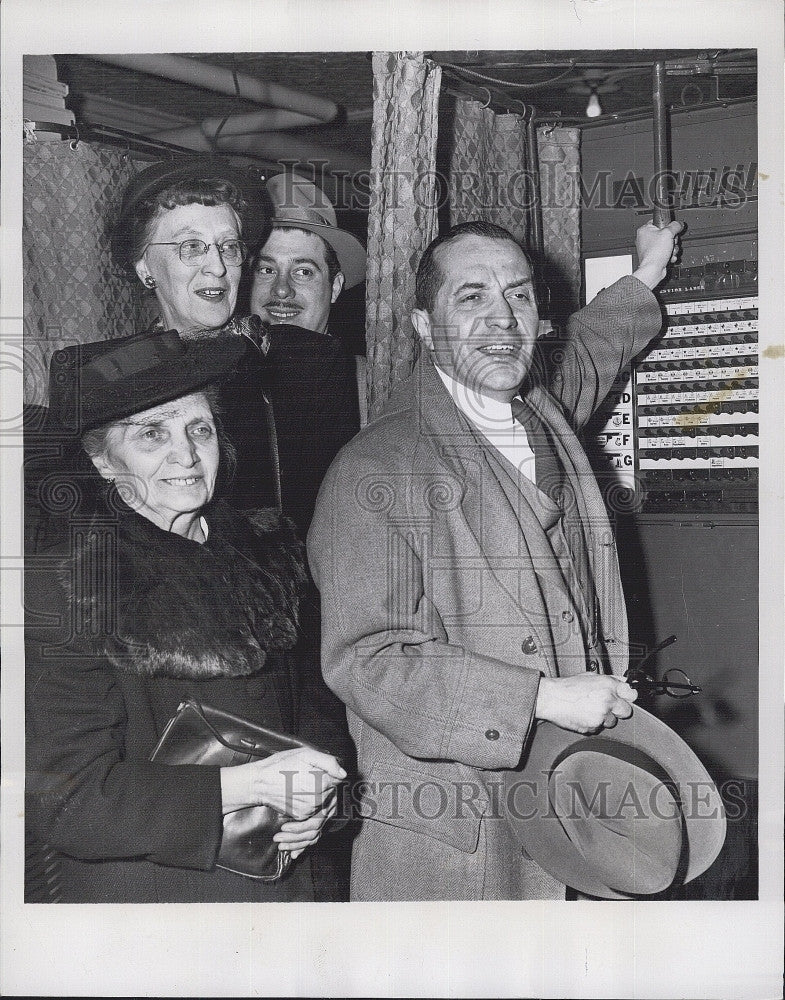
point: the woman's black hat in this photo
(151, 181)
(96, 383)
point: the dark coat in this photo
(133, 621)
(288, 412)
(311, 382)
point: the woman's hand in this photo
(296, 782)
(295, 836)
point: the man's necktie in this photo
(547, 468)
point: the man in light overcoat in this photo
(467, 567)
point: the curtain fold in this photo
(490, 177)
(72, 292)
(402, 219)
(559, 155)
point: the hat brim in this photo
(350, 252)
(544, 839)
(203, 362)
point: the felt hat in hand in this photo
(623, 814)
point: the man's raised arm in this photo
(603, 337)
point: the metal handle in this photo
(663, 213)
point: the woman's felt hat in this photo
(623, 814)
(300, 204)
(93, 384)
(150, 182)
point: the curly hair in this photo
(129, 244)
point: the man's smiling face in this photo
(291, 280)
(483, 325)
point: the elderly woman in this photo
(168, 594)
(185, 228)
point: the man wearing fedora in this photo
(297, 275)
(471, 597)
(307, 260)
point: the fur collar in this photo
(161, 605)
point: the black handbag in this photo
(200, 734)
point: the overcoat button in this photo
(594, 666)
(529, 645)
(567, 616)
(492, 734)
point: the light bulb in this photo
(593, 109)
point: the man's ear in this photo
(421, 322)
(338, 281)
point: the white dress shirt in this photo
(494, 420)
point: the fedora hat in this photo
(96, 383)
(300, 204)
(624, 814)
(151, 181)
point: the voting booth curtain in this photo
(490, 178)
(559, 155)
(72, 291)
(403, 211)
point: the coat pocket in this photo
(446, 805)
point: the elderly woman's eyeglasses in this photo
(232, 252)
(674, 682)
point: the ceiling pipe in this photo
(286, 148)
(222, 81)
(271, 119)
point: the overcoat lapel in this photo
(501, 551)
(500, 532)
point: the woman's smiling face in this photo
(165, 459)
(201, 295)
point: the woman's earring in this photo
(150, 282)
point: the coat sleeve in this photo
(84, 796)
(602, 339)
(385, 650)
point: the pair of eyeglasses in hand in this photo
(674, 682)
